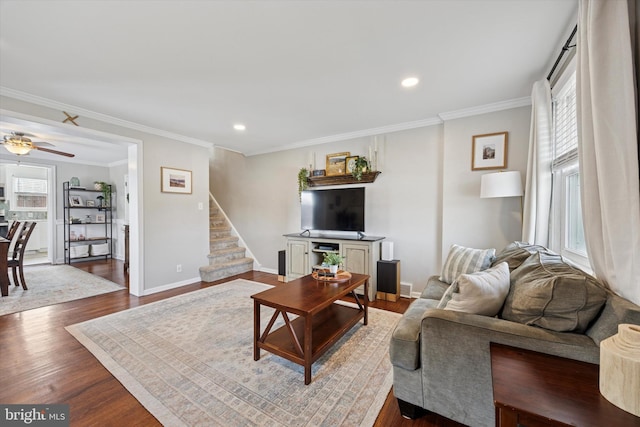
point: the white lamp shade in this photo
(501, 184)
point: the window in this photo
(567, 232)
(29, 194)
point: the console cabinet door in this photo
(297, 258)
(356, 258)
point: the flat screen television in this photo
(333, 210)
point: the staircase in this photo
(226, 258)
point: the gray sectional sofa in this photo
(440, 357)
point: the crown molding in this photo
(45, 102)
(487, 108)
(351, 135)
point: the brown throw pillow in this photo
(549, 293)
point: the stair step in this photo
(223, 242)
(221, 256)
(211, 273)
(218, 232)
(217, 222)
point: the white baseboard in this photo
(269, 270)
(170, 286)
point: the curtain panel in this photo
(537, 194)
(608, 142)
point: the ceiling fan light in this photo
(17, 149)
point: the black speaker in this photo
(388, 280)
(282, 265)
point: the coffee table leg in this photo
(308, 330)
(256, 329)
(366, 302)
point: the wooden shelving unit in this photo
(318, 181)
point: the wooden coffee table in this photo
(320, 322)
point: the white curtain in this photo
(608, 143)
(537, 194)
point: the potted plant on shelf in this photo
(303, 184)
(361, 166)
(106, 192)
(333, 260)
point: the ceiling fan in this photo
(18, 143)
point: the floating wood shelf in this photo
(318, 181)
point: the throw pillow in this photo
(461, 260)
(549, 293)
(481, 293)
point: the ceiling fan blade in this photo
(42, 144)
(11, 132)
(48, 150)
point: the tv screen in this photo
(333, 210)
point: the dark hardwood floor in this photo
(42, 363)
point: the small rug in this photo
(53, 284)
(189, 361)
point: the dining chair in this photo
(15, 225)
(17, 260)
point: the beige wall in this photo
(426, 198)
(467, 219)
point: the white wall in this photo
(426, 198)
(173, 230)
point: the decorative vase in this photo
(620, 368)
(333, 269)
(97, 186)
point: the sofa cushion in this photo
(462, 260)
(404, 350)
(548, 293)
(435, 288)
(515, 253)
(482, 292)
(448, 294)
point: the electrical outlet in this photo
(179, 268)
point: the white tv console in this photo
(360, 255)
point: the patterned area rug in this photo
(53, 284)
(189, 361)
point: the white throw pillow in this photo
(462, 260)
(483, 292)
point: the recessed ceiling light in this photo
(239, 126)
(410, 82)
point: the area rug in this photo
(189, 361)
(53, 284)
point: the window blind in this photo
(29, 185)
(565, 126)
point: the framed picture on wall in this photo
(489, 151)
(337, 163)
(175, 180)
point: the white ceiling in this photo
(294, 72)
